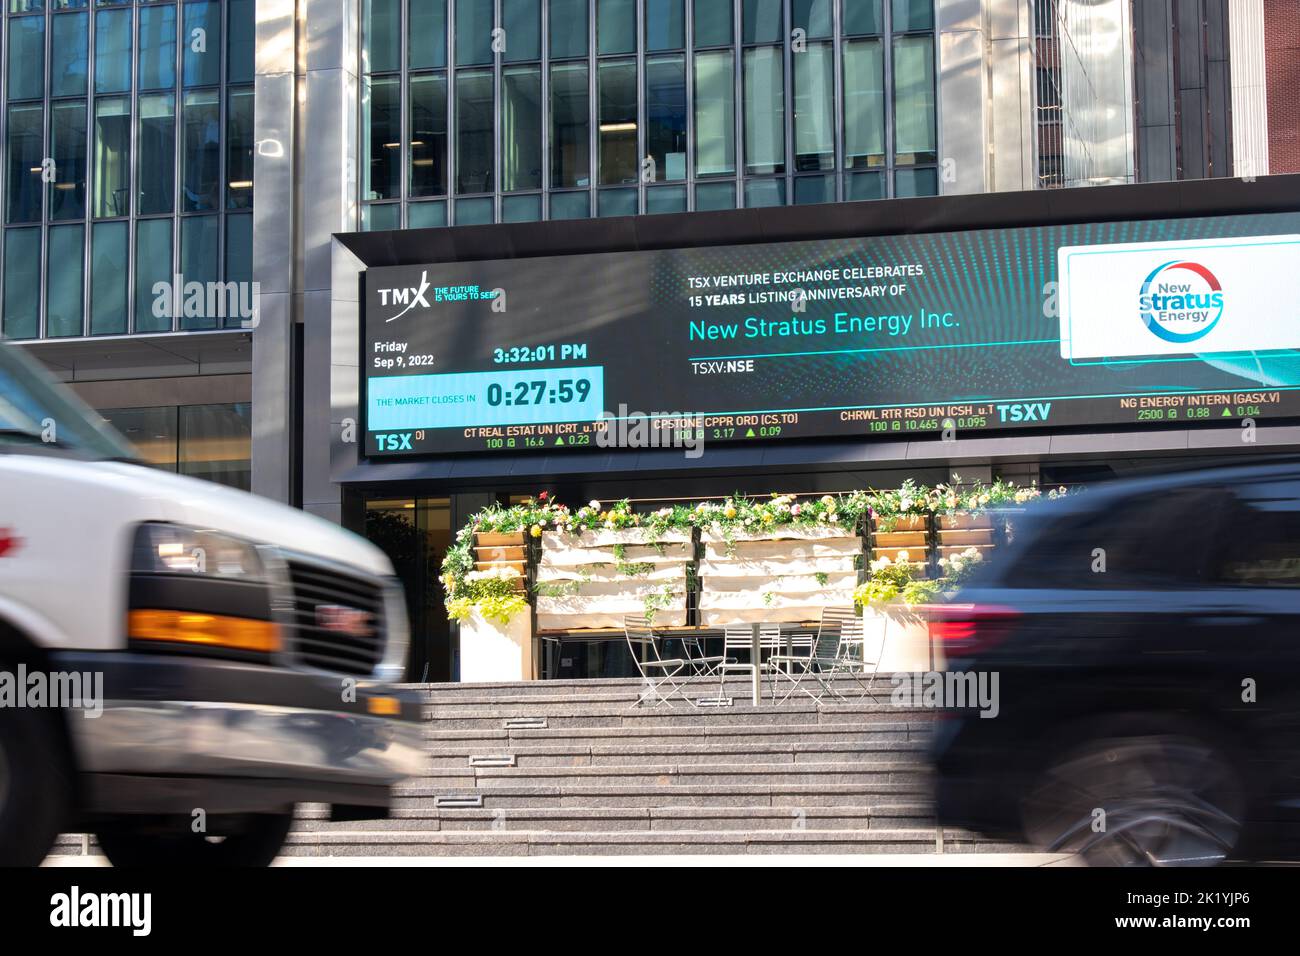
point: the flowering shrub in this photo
(958, 567)
(892, 581)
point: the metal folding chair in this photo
(658, 673)
(838, 651)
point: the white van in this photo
(180, 663)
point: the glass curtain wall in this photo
(477, 111)
(127, 131)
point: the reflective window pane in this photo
(521, 128)
(665, 109)
(199, 252)
(912, 15)
(111, 162)
(713, 23)
(914, 134)
(241, 40)
(863, 17)
(64, 280)
(615, 26)
(864, 104)
(811, 16)
(157, 66)
(381, 119)
(68, 150)
(22, 285)
(426, 34)
(616, 144)
(521, 208)
(201, 55)
(762, 21)
(113, 51)
(429, 134)
(474, 212)
(380, 217)
(239, 149)
(522, 21)
(240, 305)
(665, 25)
(764, 192)
(153, 275)
(719, 195)
(860, 186)
(916, 182)
(26, 58)
(662, 199)
(568, 28)
(715, 114)
(616, 202)
(151, 432)
(764, 110)
(381, 35)
(473, 34)
(157, 143)
(813, 189)
(814, 108)
(201, 151)
(25, 152)
(426, 215)
(215, 443)
(69, 41)
(570, 126)
(474, 131)
(108, 272)
(571, 205)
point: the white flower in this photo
(904, 504)
(593, 504)
(902, 557)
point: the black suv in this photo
(1145, 638)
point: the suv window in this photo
(1259, 540)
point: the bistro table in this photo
(788, 631)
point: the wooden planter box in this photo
(964, 521)
(496, 539)
(494, 549)
(901, 523)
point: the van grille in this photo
(338, 620)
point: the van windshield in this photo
(38, 414)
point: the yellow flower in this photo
(729, 511)
(536, 531)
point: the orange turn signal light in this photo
(209, 630)
(384, 706)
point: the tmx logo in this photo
(408, 297)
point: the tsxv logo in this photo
(1180, 301)
(407, 297)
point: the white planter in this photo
(780, 533)
(490, 651)
(906, 640)
(606, 538)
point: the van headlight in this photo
(174, 549)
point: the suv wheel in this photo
(1165, 799)
(249, 840)
(35, 786)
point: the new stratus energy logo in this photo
(1180, 301)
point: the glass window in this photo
(22, 285)
(239, 268)
(811, 16)
(151, 432)
(64, 278)
(616, 202)
(68, 150)
(814, 108)
(26, 58)
(570, 126)
(381, 34)
(864, 104)
(860, 186)
(813, 189)
(522, 21)
(216, 443)
(665, 113)
(665, 25)
(426, 34)
(426, 215)
(429, 134)
(108, 272)
(153, 275)
(762, 21)
(473, 35)
(201, 161)
(474, 212)
(113, 51)
(719, 195)
(616, 145)
(239, 149)
(764, 110)
(521, 128)
(26, 6)
(474, 131)
(382, 125)
(157, 145)
(764, 192)
(715, 114)
(661, 199)
(112, 158)
(199, 251)
(568, 28)
(381, 217)
(713, 23)
(916, 182)
(912, 15)
(570, 205)
(521, 208)
(863, 17)
(201, 56)
(69, 41)
(914, 136)
(615, 26)
(241, 41)
(157, 67)
(26, 152)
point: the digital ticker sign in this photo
(1159, 321)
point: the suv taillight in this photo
(963, 630)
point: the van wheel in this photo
(1164, 799)
(35, 786)
(247, 840)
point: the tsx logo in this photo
(408, 297)
(1181, 301)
